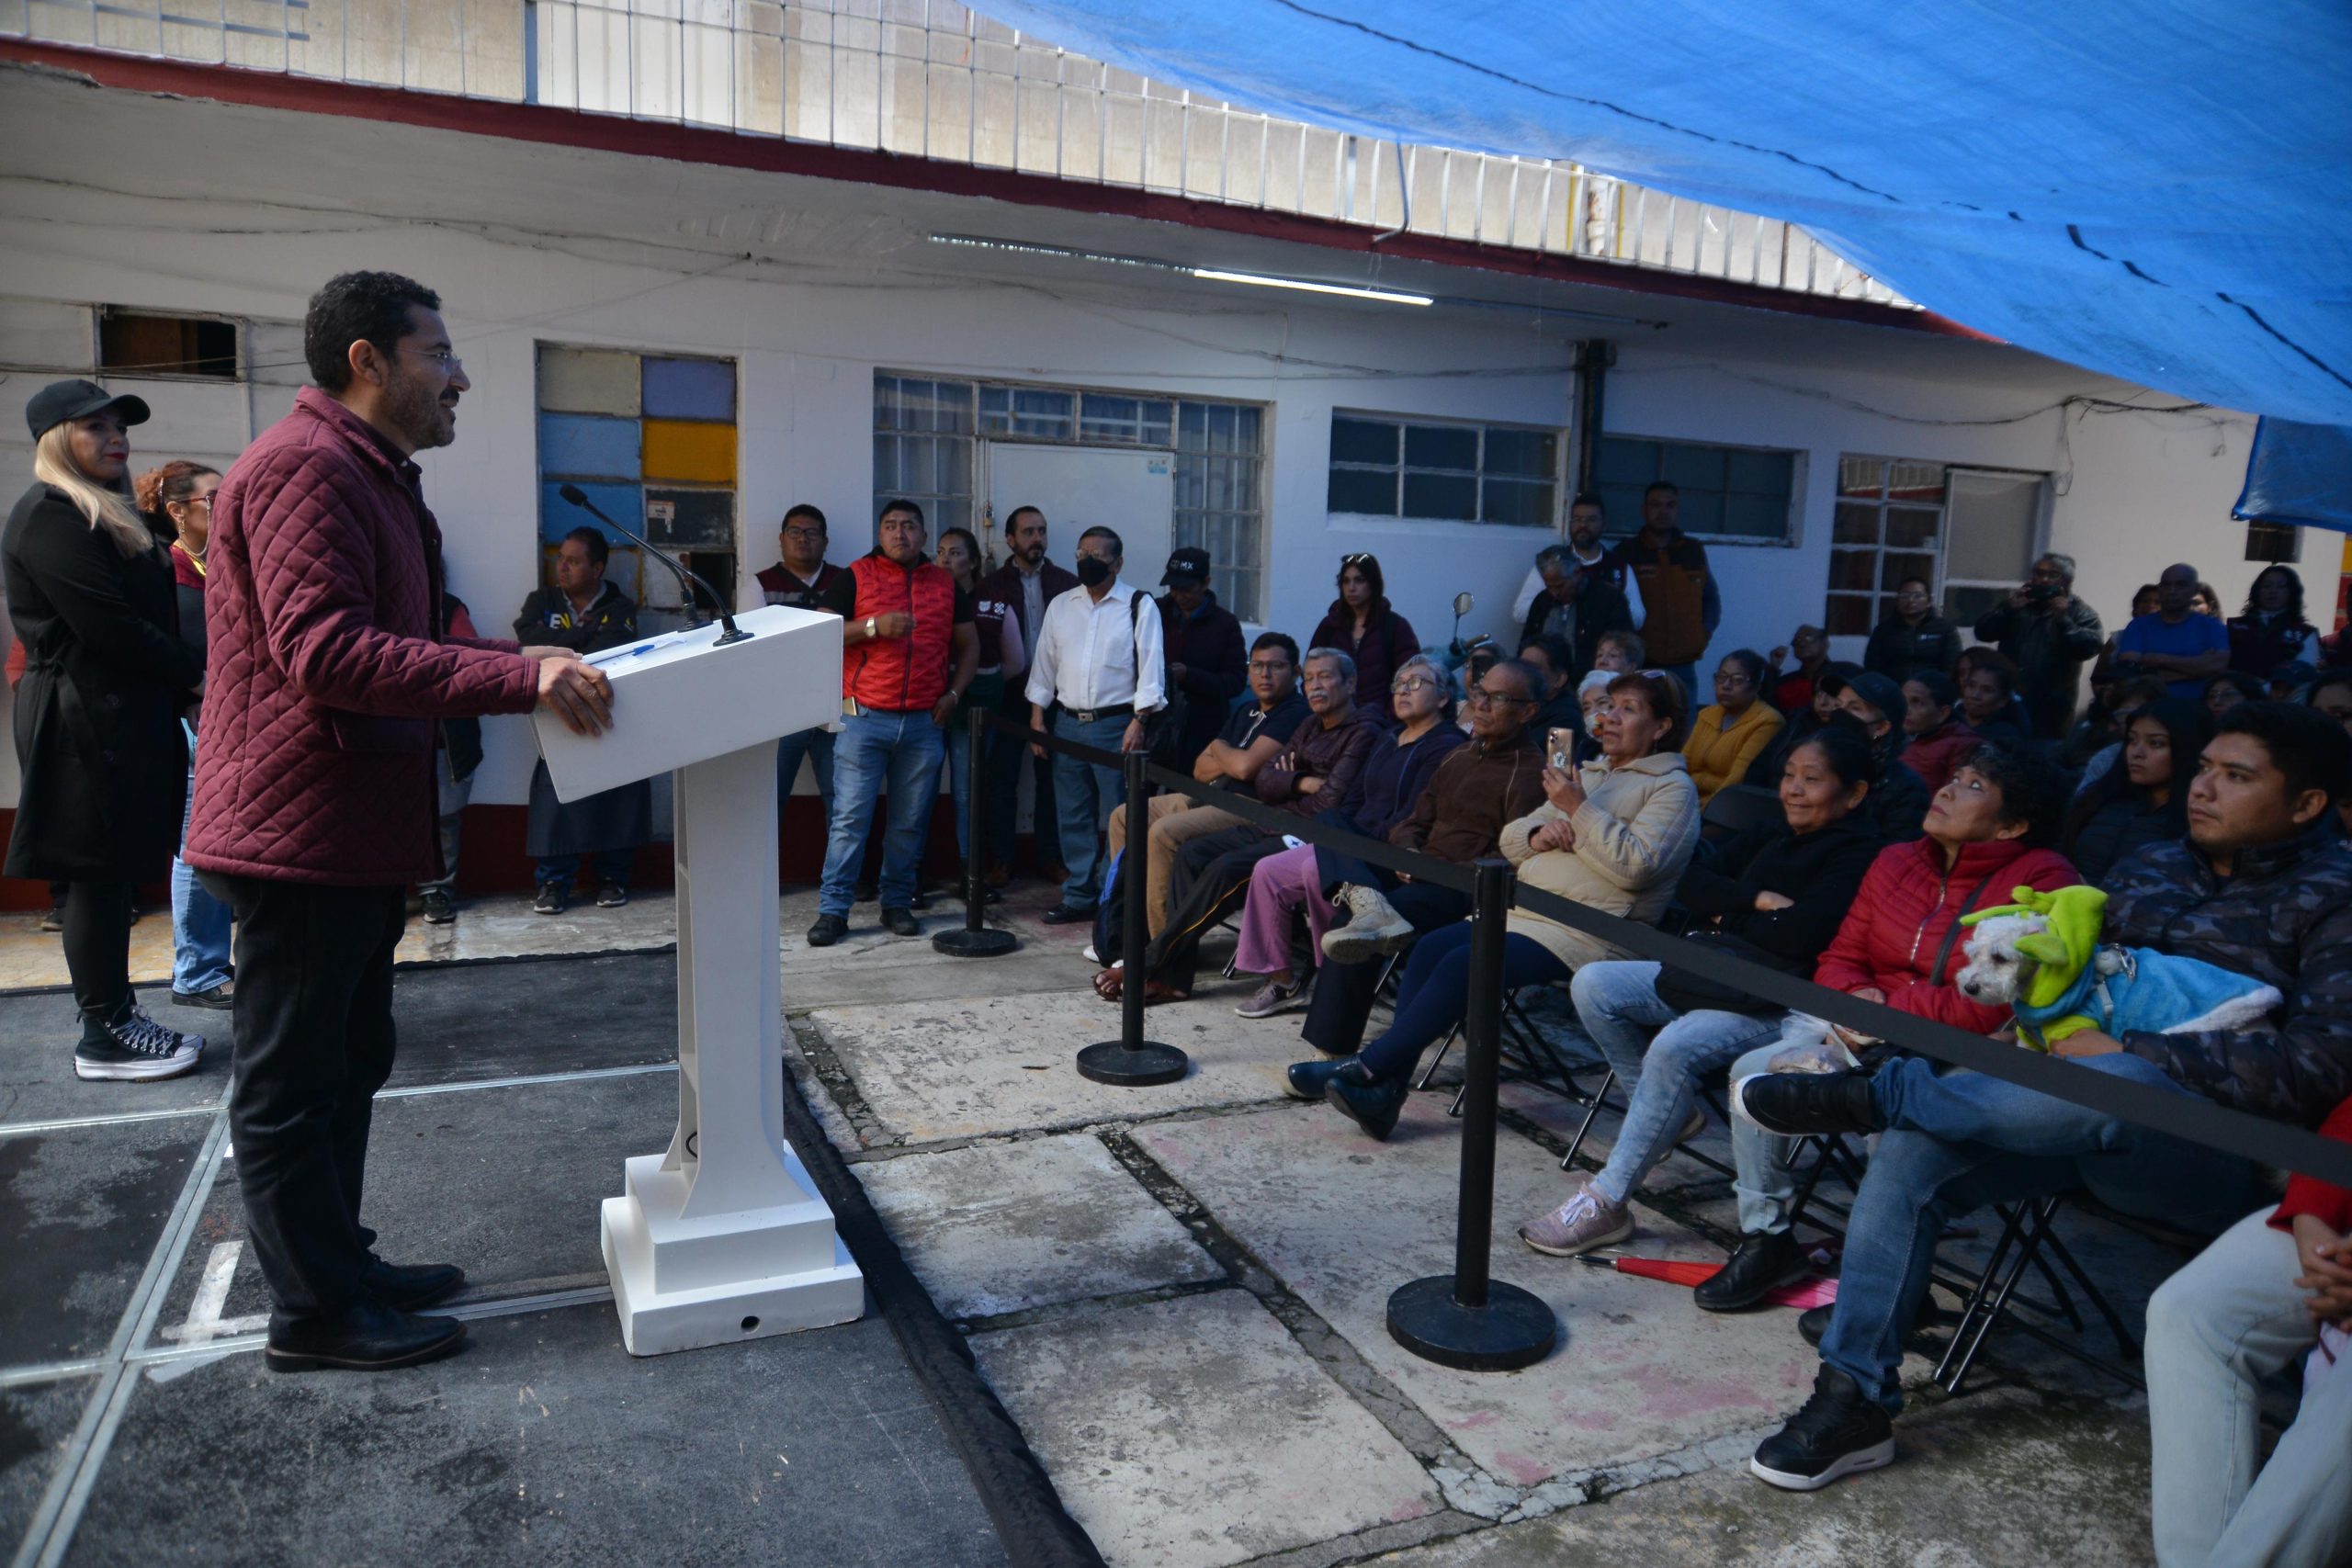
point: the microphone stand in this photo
(732, 632)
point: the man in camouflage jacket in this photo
(2262, 885)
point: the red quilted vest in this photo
(901, 674)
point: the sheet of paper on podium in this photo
(722, 1236)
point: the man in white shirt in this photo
(1586, 522)
(1098, 665)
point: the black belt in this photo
(1088, 715)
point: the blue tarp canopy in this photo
(2153, 189)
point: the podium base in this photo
(1138, 1066)
(986, 942)
(1514, 1329)
(742, 1276)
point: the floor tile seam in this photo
(1365, 1545)
(1079, 1306)
(59, 1511)
(31, 1374)
(1431, 1449)
(488, 959)
(883, 1153)
(122, 1119)
(525, 1080)
(825, 1065)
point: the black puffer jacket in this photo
(2284, 917)
(1821, 870)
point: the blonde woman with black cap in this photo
(103, 762)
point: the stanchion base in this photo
(986, 942)
(1514, 1329)
(1139, 1066)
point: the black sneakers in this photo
(1760, 1264)
(901, 922)
(438, 906)
(1798, 1104)
(131, 1047)
(827, 930)
(1373, 1105)
(1837, 1433)
(550, 900)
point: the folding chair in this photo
(2028, 1232)
(1525, 1053)
(1735, 808)
(1708, 1095)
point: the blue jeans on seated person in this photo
(1618, 1005)
(877, 753)
(612, 867)
(1435, 993)
(1957, 1140)
(1084, 796)
(1766, 1186)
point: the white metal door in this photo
(1131, 492)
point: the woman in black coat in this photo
(103, 762)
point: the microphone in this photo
(732, 633)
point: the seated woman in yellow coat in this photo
(1728, 734)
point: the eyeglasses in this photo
(1269, 666)
(1358, 559)
(1411, 683)
(804, 532)
(449, 363)
(1481, 697)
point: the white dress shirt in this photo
(1093, 654)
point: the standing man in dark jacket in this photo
(800, 579)
(586, 614)
(1028, 582)
(2049, 635)
(1912, 636)
(2260, 887)
(1205, 660)
(314, 794)
(1577, 606)
(1678, 592)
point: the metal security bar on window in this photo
(1447, 473)
(932, 79)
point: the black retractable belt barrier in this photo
(1466, 1319)
(1131, 1061)
(977, 938)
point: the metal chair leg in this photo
(1592, 1109)
(1978, 1315)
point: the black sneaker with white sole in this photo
(1838, 1433)
(133, 1048)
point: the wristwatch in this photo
(869, 626)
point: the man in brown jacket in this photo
(1495, 779)
(1677, 588)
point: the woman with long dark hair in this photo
(1361, 625)
(177, 501)
(2271, 630)
(1002, 655)
(2144, 798)
(103, 762)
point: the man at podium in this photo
(330, 659)
(909, 649)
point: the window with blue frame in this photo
(651, 441)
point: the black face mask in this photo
(1093, 571)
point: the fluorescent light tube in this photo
(1385, 296)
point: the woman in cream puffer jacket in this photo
(1614, 836)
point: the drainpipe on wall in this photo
(1594, 356)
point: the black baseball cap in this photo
(1186, 567)
(1834, 676)
(63, 400)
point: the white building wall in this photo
(2139, 489)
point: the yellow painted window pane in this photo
(676, 449)
(588, 380)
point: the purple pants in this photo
(1278, 884)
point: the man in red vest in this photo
(909, 649)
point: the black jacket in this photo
(1004, 583)
(1208, 644)
(1601, 608)
(1899, 652)
(547, 618)
(1899, 797)
(1822, 871)
(2050, 652)
(98, 728)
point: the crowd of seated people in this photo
(2203, 787)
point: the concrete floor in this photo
(1178, 1292)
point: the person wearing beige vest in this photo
(1614, 835)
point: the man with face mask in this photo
(329, 657)
(1027, 581)
(1099, 665)
(1585, 523)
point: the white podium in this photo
(722, 1236)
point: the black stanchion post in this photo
(977, 938)
(1131, 1061)
(1466, 1319)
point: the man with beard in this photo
(330, 659)
(1585, 553)
(1028, 582)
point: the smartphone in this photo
(1562, 745)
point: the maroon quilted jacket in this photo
(328, 662)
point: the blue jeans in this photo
(1084, 797)
(200, 921)
(1765, 1185)
(1434, 995)
(1618, 1005)
(959, 783)
(1957, 1140)
(612, 867)
(876, 753)
(817, 745)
